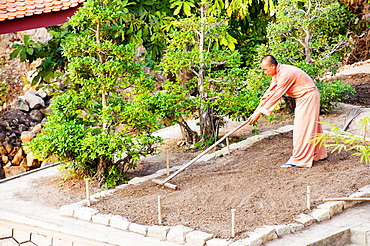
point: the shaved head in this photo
(269, 60)
(269, 65)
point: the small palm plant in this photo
(340, 140)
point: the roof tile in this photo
(10, 9)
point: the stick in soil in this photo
(167, 163)
(233, 222)
(309, 197)
(87, 192)
(159, 211)
(228, 145)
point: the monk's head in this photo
(269, 65)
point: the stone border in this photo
(181, 234)
(28, 172)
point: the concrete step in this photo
(360, 234)
(352, 226)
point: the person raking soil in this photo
(294, 82)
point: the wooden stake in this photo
(348, 199)
(228, 145)
(167, 163)
(87, 192)
(233, 222)
(159, 211)
(309, 197)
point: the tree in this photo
(313, 31)
(201, 47)
(97, 125)
(312, 35)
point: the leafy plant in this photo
(51, 54)
(331, 93)
(312, 35)
(97, 126)
(339, 140)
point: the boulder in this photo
(37, 128)
(21, 104)
(2, 136)
(41, 93)
(32, 161)
(14, 170)
(19, 156)
(36, 115)
(2, 150)
(33, 100)
(8, 147)
(27, 136)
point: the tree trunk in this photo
(101, 171)
(191, 137)
(290, 103)
(208, 128)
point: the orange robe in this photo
(296, 83)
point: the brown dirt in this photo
(248, 180)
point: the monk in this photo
(295, 83)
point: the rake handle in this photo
(205, 151)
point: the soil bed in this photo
(249, 180)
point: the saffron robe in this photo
(295, 83)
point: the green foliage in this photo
(333, 92)
(53, 62)
(202, 144)
(97, 126)
(312, 35)
(3, 91)
(314, 31)
(339, 140)
(201, 49)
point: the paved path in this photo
(27, 215)
(324, 233)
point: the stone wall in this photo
(19, 123)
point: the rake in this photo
(353, 113)
(174, 187)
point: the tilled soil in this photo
(250, 181)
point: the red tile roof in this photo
(12, 9)
(20, 15)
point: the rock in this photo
(36, 115)
(24, 164)
(45, 163)
(2, 173)
(41, 93)
(14, 170)
(31, 160)
(14, 151)
(19, 156)
(27, 136)
(33, 100)
(8, 147)
(21, 104)
(22, 128)
(37, 128)
(5, 159)
(2, 150)
(2, 137)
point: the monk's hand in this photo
(254, 117)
